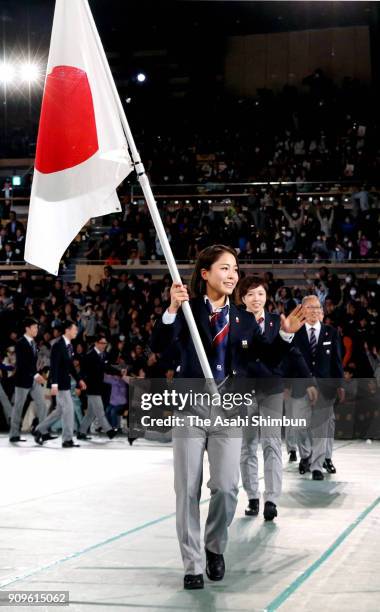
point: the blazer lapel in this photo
(28, 346)
(304, 341)
(64, 350)
(235, 327)
(269, 326)
(202, 318)
(322, 336)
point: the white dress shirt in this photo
(317, 330)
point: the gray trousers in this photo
(290, 432)
(37, 393)
(270, 438)
(63, 411)
(330, 434)
(223, 448)
(317, 438)
(95, 410)
(4, 401)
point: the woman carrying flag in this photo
(228, 335)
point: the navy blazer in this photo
(268, 369)
(26, 364)
(327, 366)
(244, 337)
(61, 366)
(93, 369)
(269, 372)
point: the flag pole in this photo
(152, 205)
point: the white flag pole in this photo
(152, 205)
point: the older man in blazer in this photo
(320, 347)
(61, 370)
(27, 379)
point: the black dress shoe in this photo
(317, 475)
(131, 441)
(17, 439)
(193, 582)
(270, 511)
(253, 507)
(329, 466)
(48, 436)
(34, 424)
(69, 444)
(38, 437)
(82, 436)
(111, 433)
(304, 465)
(292, 456)
(215, 567)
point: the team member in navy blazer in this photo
(228, 335)
(93, 370)
(27, 379)
(269, 387)
(61, 370)
(321, 349)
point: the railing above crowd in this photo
(211, 192)
(195, 193)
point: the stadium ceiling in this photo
(132, 23)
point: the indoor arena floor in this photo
(99, 522)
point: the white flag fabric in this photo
(82, 153)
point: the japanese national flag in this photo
(82, 153)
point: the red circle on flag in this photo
(67, 133)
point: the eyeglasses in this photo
(102, 342)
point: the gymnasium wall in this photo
(273, 60)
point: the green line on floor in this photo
(292, 588)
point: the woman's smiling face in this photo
(255, 299)
(223, 275)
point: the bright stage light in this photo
(29, 72)
(141, 77)
(7, 73)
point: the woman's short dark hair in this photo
(206, 258)
(246, 284)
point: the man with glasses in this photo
(320, 347)
(27, 379)
(93, 369)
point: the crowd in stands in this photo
(266, 226)
(12, 239)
